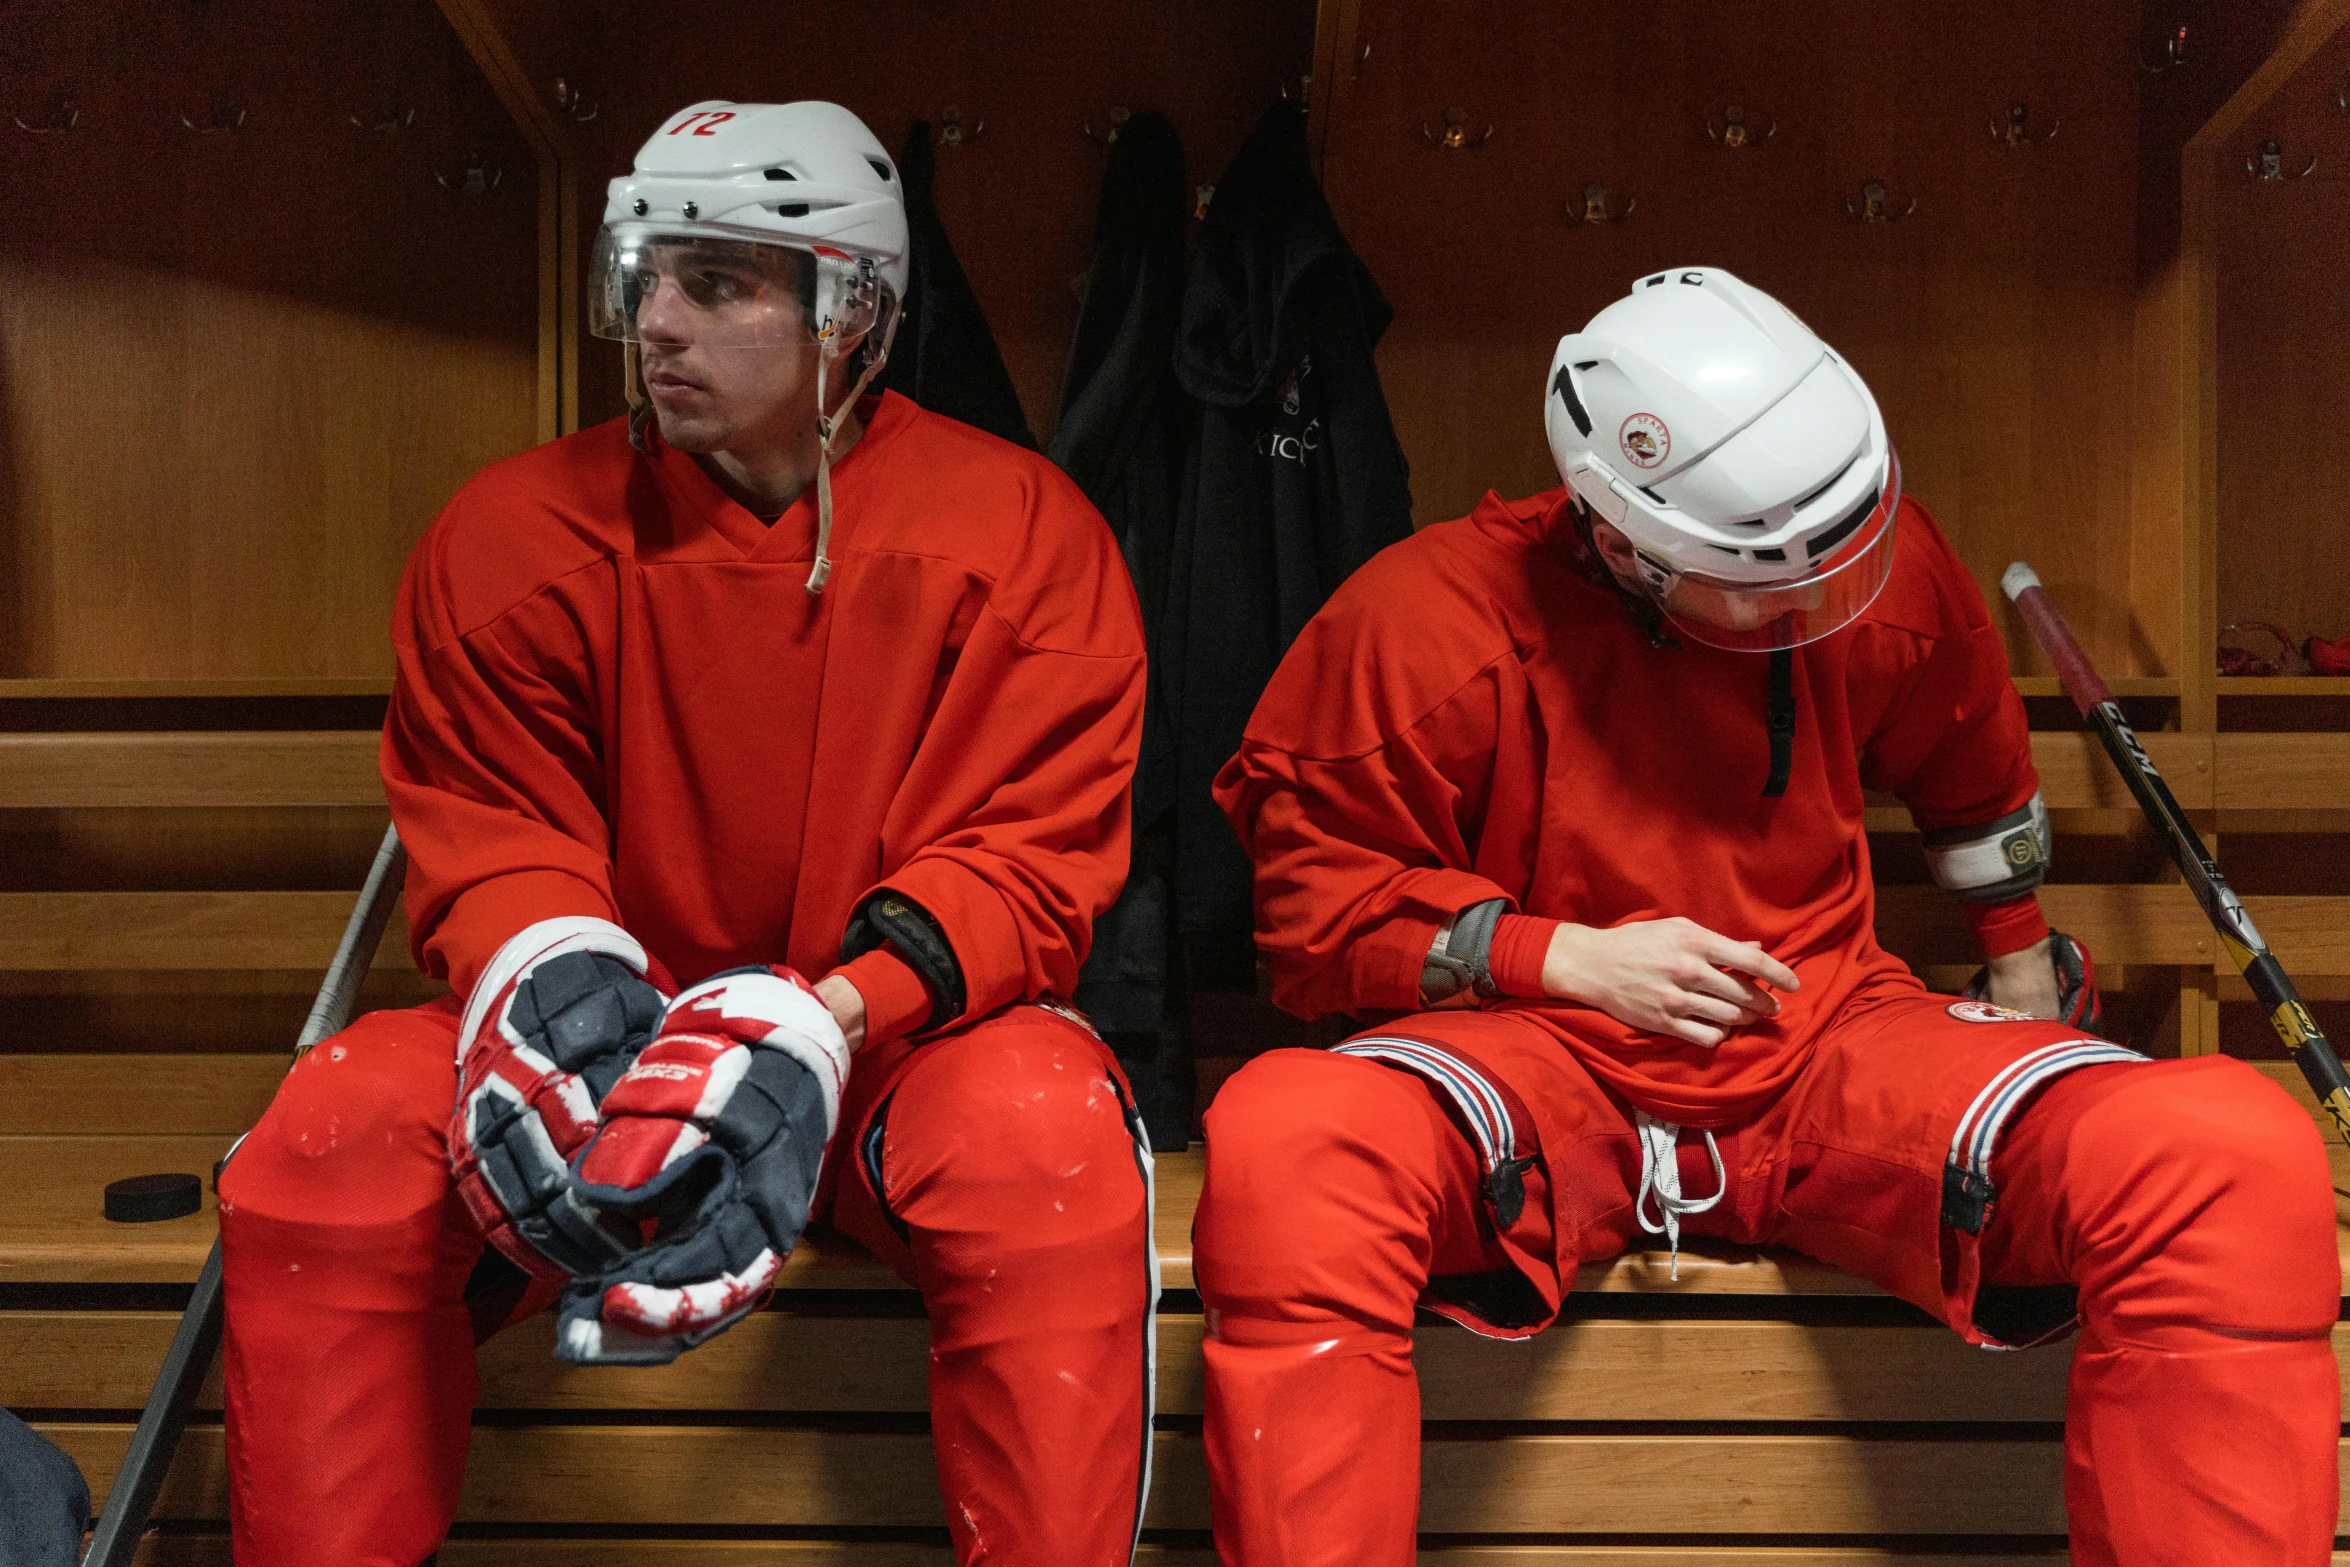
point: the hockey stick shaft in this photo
(189, 1359)
(2271, 987)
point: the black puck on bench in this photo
(143, 1199)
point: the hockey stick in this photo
(2274, 991)
(189, 1360)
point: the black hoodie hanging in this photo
(945, 358)
(1124, 425)
(1295, 479)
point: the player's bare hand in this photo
(847, 1006)
(1671, 976)
(2026, 982)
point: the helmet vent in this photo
(1770, 554)
(1825, 488)
(781, 174)
(1724, 548)
(879, 167)
(1565, 387)
(791, 209)
(1660, 500)
(1843, 530)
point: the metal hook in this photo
(571, 101)
(1456, 136)
(1119, 115)
(388, 118)
(64, 115)
(1732, 132)
(952, 132)
(2342, 96)
(2016, 129)
(1875, 207)
(1304, 96)
(479, 179)
(2268, 164)
(226, 115)
(1594, 207)
(2174, 53)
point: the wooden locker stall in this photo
(245, 358)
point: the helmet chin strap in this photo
(827, 429)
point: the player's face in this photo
(727, 356)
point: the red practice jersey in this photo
(1473, 717)
(616, 698)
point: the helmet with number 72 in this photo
(1746, 464)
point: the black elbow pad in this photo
(894, 920)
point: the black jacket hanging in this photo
(1124, 423)
(945, 359)
(1295, 479)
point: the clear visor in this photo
(1746, 617)
(703, 289)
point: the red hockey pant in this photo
(1006, 1159)
(2188, 1201)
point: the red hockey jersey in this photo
(616, 698)
(1472, 717)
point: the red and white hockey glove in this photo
(2076, 985)
(714, 1139)
(557, 1017)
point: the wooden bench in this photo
(1764, 1408)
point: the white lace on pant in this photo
(1660, 1174)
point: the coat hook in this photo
(226, 115)
(478, 179)
(389, 117)
(952, 132)
(2016, 129)
(1875, 207)
(1119, 115)
(571, 101)
(2268, 164)
(2342, 96)
(1594, 208)
(64, 115)
(1456, 135)
(1731, 132)
(2174, 53)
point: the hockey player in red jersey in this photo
(769, 680)
(1571, 792)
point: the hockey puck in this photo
(143, 1199)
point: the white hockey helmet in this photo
(1746, 462)
(804, 177)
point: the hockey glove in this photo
(558, 1015)
(2076, 985)
(711, 1146)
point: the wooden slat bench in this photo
(1761, 1398)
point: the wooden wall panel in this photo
(1019, 201)
(2283, 339)
(1994, 324)
(239, 372)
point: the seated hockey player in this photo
(1571, 791)
(767, 680)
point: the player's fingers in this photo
(1710, 1009)
(1737, 990)
(1694, 1032)
(1748, 957)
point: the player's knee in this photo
(1295, 1140)
(1020, 1126)
(358, 1129)
(2229, 1175)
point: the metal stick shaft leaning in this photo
(2303, 1040)
(189, 1359)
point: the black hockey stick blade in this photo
(189, 1360)
(2271, 987)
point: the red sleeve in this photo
(1953, 742)
(1012, 826)
(490, 764)
(1361, 857)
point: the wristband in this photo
(1458, 960)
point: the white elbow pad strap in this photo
(1995, 861)
(1456, 960)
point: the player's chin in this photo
(689, 426)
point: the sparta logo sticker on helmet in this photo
(1645, 440)
(1985, 1012)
